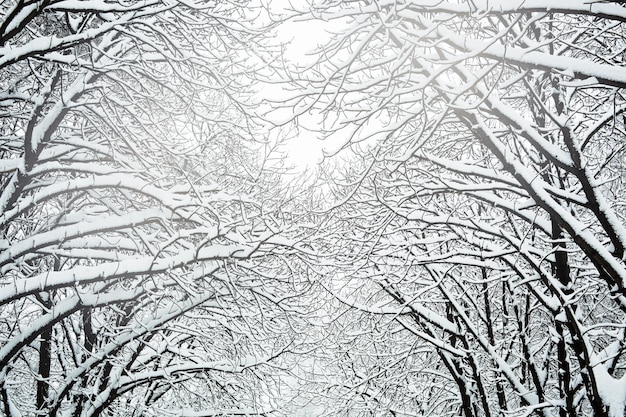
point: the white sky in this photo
(299, 39)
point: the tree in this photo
(480, 227)
(144, 270)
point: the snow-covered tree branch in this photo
(481, 242)
(135, 273)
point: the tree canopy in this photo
(460, 252)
